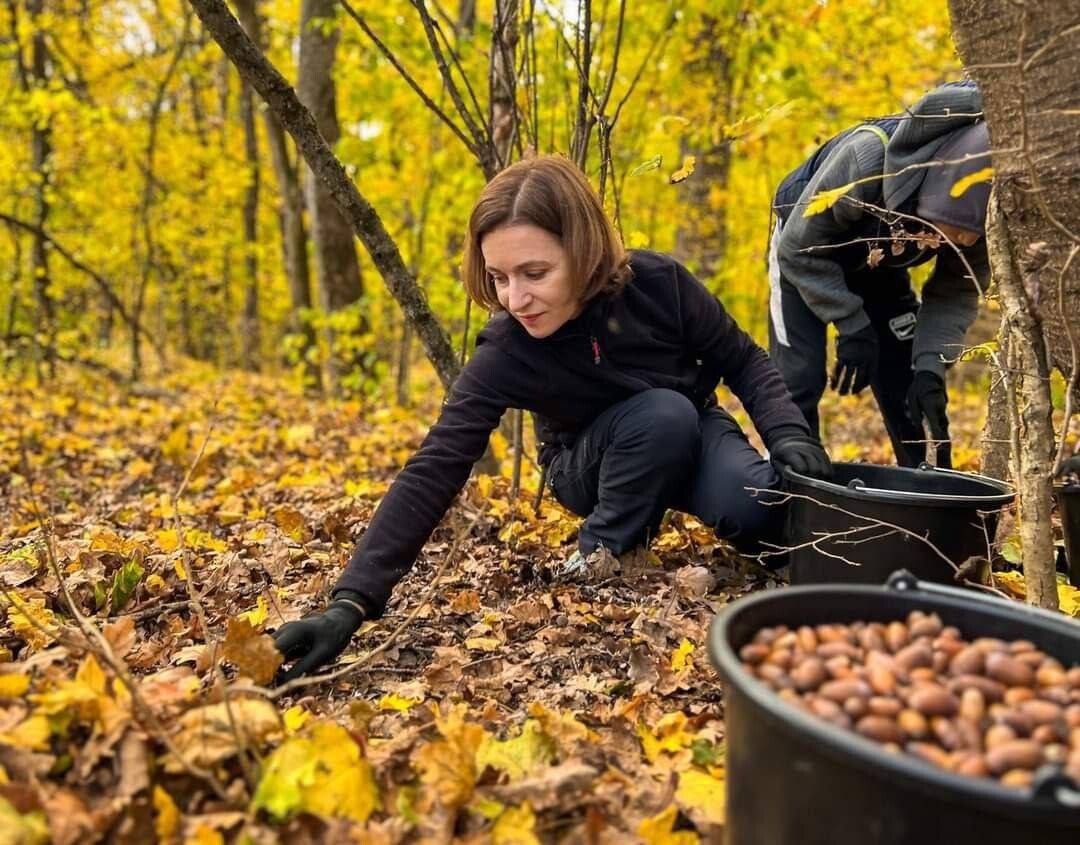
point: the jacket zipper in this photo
(595, 349)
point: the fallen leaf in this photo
(702, 794)
(515, 826)
(121, 635)
(657, 830)
(252, 652)
(323, 773)
(207, 737)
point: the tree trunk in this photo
(1026, 59)
(700, 239)
(40, 147)
(336, 265)
(249, 318)
(299, 122)
(290, 216)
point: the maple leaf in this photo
(252, 652)
(323, 773)
(681, 656)
(657, 830)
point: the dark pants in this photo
(656, 451)
(797, 344)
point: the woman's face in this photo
(529, 269)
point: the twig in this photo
(94, 637)
(298, 683)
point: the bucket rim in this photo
(1005, 495)
(863, 753)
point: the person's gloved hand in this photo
(320, 637)
(856, 361)
(802, 453)
(927, 399)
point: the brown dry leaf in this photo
(467, 601)
(70, 820)
(252, 652)
(875, 257)
(208, 737)
(121, 635)
(448, 765)
(550, 786)
(694, 582)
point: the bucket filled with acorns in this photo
(903, 713)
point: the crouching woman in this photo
(619, 355)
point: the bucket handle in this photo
(1053, 784)
(902, 581)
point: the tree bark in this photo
(298, 121)
(700, 240)
(40, 148)
(249, 318)
(290, 217)
(1026, 59)
(336, 267)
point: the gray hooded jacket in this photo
(816, 254)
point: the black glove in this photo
(927, 398)
(320, 637)
(802, 453)
(856, 361)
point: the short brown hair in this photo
(548, 191)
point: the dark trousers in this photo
(797, 345)
(656, 451)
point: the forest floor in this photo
(488, 703)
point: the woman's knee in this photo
(665, 422)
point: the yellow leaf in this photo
(155, 584)
(28, 617)
(12, 686)
(685, 171)
(484, 486)
(637, 240)
(703, 793)
(681, 656)
(180, 569)
(323, 774)
(295, 718)
(657, 830)
(297, 435)
(31, 733)
(166, 540)
(393, 701)
(257, 616)
(175, 446)
(670, 736)
(205, 835)
(167, 822)
(449, 765)
(824, 200)
(481, 643)
(520, 755)
(1068, 598)
(564, 728)
(22, 828)
(515, 826)
(961, 185)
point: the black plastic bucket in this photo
(1068, 501)
(792, 778)
(871, 520)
